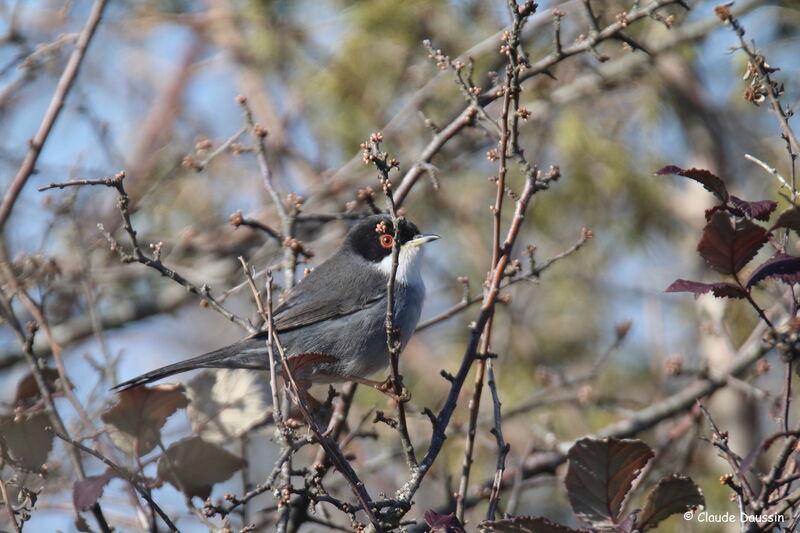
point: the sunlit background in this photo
(162, 76)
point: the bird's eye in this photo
(386, 240)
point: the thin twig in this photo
(373, 153)
(286, 215)
(770, 169)
(772, 89)
(285, 434)
(586, 234)
(787, 394)
(238, 219)
(720, 441)
(331, 448)
(137, 255)
(44, 389)
(502, 447)
(9, 508)
(543, 66)
(202, 164)
(124, 474)
(442, 420)
(63, 87)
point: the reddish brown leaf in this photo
(297, 362)
(86, 492)
(26, 440)
(782, 266)
(134, 422)
(789, 219)
(443, 522)
(712, 183)
(194, 465)
(526, 524)
(672, 495)
(600, 475)
(726, 248)
(720, 290)
(28, 390)
(760, 210)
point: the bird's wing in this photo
(321, 295)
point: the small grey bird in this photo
(332, 323)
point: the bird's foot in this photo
(313, 407)
(387, 387)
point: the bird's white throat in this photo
(409, 261)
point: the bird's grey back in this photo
(355, 335)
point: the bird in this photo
(331, 324)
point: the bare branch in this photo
(54, 109)
(121, 472)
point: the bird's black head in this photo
(373, 237)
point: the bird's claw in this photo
(387, 387)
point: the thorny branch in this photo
(326, 442)
(442, 420)
(373, 154)
(121, 472)
(546, 462)
(542, 66)
(534, 273)
(502, 446)
(476, 352)
(288, 215)
(25, 339)
(137, 255)
(508, 146)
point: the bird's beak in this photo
(422, 239)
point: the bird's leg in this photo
(387, 387)
(303, 396)
(310, 402)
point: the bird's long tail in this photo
(244, 354)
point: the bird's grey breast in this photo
(358, 339)
(408, 307)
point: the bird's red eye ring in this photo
(386, 240)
